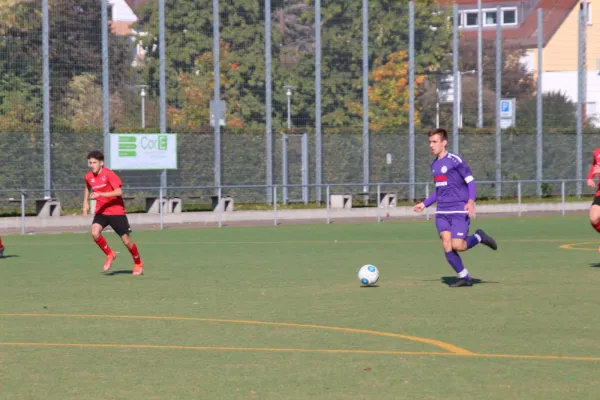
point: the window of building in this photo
(468, 18)
(490, 18)
(509, 16)
(471, 18)
(590, 111)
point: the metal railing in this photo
(559, 188)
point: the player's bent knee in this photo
(127, 240)
(595, 215)
(459, 244)
(447, 246)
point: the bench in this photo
(226, 201)
(340, 200)
(47, 207)
(170, 205)
(386, 199)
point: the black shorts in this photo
(119, 223)
(596, 201)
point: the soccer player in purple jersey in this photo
(455, 196)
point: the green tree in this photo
(517, 81)
(342, 51)
(389, 93)
(189, 44)
(83, 103)
(559, 112)
(75, 49)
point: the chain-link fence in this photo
(342, 72)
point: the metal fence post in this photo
(220, 206)
(456, 80)
(284, 169)
(365, 94)
(318, 111)
(519, 197)
(162, 79)
(427, 196)
(275, 205)
(305, 179)
(411, 99)
(268, 98)
(160, 207)
(562, 196)
(46, 91)
(22, 213)
(216, 93)
(498, 100)
(479, 64)
(539, 104)
(327, 193)
(581, 96)
(378, 201)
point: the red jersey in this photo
(106, 181)
(595, 163)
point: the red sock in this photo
(1, 242)
(596, 226)
(135, 254)
(101, 242)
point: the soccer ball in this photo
(368, 275)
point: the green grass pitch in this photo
(278, 313)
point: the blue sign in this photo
(507, 108)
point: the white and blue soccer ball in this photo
(368, 275)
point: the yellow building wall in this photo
(561, 52)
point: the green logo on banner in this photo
(127, 146)
(162, 142)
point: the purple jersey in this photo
(451, 176)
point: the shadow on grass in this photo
(119, 272)
(447, 280)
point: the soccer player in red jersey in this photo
(104, 185)
(595, 208)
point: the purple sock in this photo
(473, 241)
(456, 262)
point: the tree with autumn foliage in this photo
(341, 36)
(196, 92)
(389, 93)
(189, 68)
(75, 47)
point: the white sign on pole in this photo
(218, 109)
(447, 88)
(507, 113)
(143, 151)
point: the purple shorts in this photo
(457, 224)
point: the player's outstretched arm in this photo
(472, 188)
(470, 208)
(424, 204)
(594, 170)
(114, 193)
(86, 196)
(419, 207)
